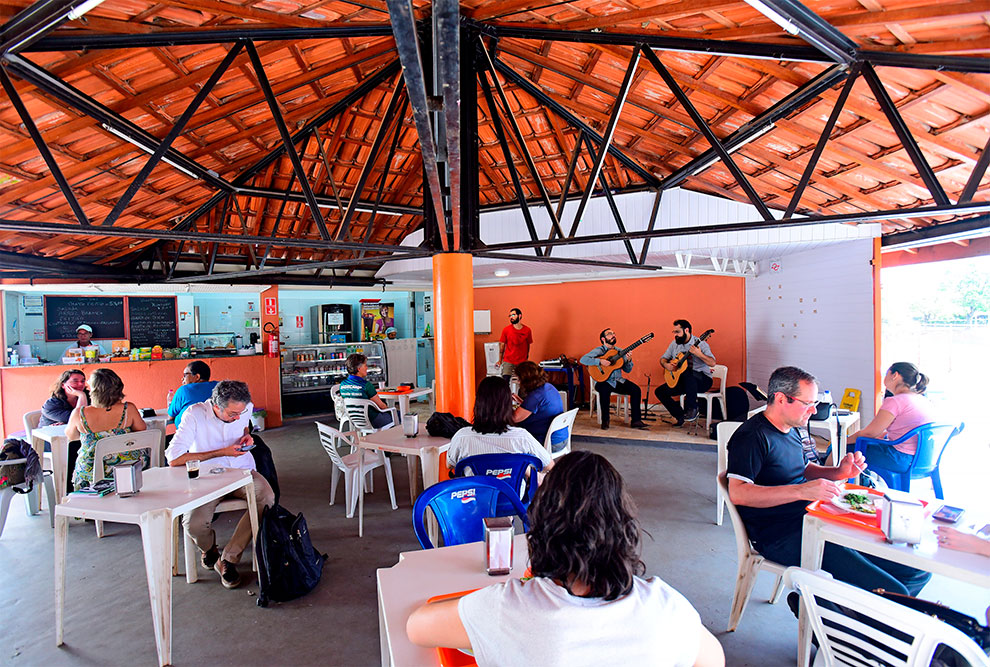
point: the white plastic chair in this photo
(331, 438)
(622, 404)
(563, 399)
(563, 420)
(719, 373)
(7, 493)
(126, 442)
(31, 421)
(359, 419)
(723, 431)
(339, 411)
(895, 635)
(750, 563)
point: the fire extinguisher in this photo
(272, 341)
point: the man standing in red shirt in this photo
(513, 346)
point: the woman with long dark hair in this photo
(493, 431)
(68, 392)
(586, 603)
(539, 403)
(906, 408)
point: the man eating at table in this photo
(217, 431)
(771, 483)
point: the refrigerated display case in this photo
(314, 368)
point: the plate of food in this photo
(856, 502)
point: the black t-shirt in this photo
(759, 453)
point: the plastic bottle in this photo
(13, 356)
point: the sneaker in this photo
(691, 415)
(211, 557)
(639, 425)
(228, 573)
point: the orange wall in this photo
(567, 318)
(26, 388)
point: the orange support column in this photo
(453, 339)
(273, 376)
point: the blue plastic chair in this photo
(931, 438)
(511, 469)
(460, 506)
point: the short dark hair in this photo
(493, 406)
(58, 391)
(354, 362)
(106, 388)
(230, 390)
(912, 377)
(200, 368)
(684, 324)
(516, 311)
(584, 527)
(531, 376)
(601, 336)
(787, 381)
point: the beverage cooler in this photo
(331, 323)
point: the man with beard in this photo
(615, 382)
(771, 484)
(513, 345)
(695, 379)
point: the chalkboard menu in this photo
(64, 314)
(152, 321)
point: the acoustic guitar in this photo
(680, 363)
(615, 360)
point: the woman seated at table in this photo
(493, 432)
(108, 415)
(539, 404)
(906, 409)
(585, 603)
(68, 392)
(357, 385)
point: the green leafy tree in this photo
(972, 294)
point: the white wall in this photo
(815, 313)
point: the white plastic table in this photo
(425, 446)
(847, 424)
(418, 576)
(401, 399)
(55, 436)
(970, 568)
(166, 493)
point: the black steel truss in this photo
(25, 33)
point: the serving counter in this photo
(146, 383)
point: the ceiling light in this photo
(501, 273)
(76, 12)
(773, 15)
(114, 131)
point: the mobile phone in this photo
(246, 448)
(948, 514)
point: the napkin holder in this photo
(498, 545)
(127, 478)
(902, 517)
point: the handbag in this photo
(969, 626)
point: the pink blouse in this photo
(910, 411)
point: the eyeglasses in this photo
(185, 373)
(807, 404)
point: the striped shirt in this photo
(467, 442)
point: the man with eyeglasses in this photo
(771, 483)
(218, 431)
(196, 387)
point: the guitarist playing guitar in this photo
(606, 365)
(687, 365)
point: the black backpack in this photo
(445, 425)
(288, 564)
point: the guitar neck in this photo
(624, 351)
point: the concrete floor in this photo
(107, 613)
